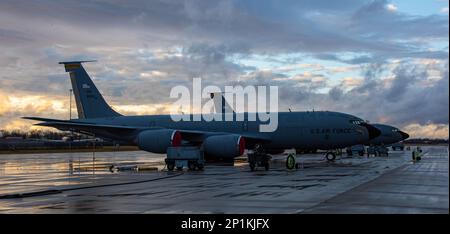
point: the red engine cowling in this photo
(157, 141)
(224, 146)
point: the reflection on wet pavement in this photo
(75, 183)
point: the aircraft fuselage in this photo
(317, 129)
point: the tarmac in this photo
(85, 183)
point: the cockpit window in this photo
(395, 130)
(356, 122)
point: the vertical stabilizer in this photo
(90, 103)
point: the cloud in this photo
(391, 7)
(444, 10)
(404, 98)
(351, 55)
(16, 124)
(153, 74)
(310, 80)
(351, 82)
(4, 104)
(308, 25)
(14, 106)
(143, 109)
(427, 131)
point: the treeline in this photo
(40, 134)
(426, 141)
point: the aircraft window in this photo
(357, 122)
(395, 130)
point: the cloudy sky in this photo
(384, 61)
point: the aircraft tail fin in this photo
(90, 103)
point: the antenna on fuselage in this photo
(221, 106)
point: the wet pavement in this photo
(420, 187)
(75, 183)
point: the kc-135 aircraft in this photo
(389, 134)
(221, 140)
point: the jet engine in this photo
(157, 141)
(224, 146)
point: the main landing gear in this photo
(258, 158)
(330, 156)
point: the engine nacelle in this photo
(157, 141)
(224, 146)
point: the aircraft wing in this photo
(86, 127)
(115, 132)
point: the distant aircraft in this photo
(389, 135)
(219, 139)
(378, 146)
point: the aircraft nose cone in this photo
(404, 135)
(373, 131)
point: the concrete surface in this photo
(420, 187)
(350, 185)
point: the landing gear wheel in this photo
(191, 166)
(170, 166)
(252, 166)
(290, 162)
(267, 166)
(179, 168)
(200, 166)
(331, 156)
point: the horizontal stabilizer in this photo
(72, 65)
(46, 119)
(81, 61)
